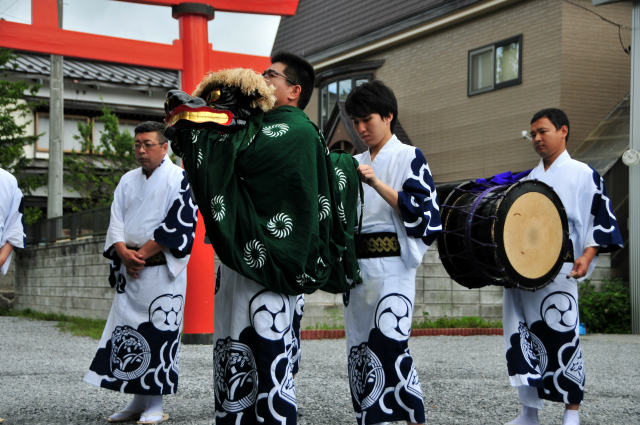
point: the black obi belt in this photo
(376, 245)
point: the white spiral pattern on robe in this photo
(275, 130)
(199, 158)
(343, 217)
(280, 225)
(342, 178)
(217, 208)
(194, 136)
(304, 278)
(255, 254)
(323, 206)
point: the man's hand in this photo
(366, 174)
(581, 265)
(132, 260)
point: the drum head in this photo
(533, 235)
(532, 225)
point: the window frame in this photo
(354, 76)
(47, 114)
(494, 47)
(91, 120)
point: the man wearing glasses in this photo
(288, 187)
(149, 243)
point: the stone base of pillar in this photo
(197, 339)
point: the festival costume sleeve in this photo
(602, 229)
(420, 223)
(177, 231)
(599, 224)
(269, 199)
(115, 233)
(12, 231)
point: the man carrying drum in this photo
(544, 357)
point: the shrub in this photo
(606, 311)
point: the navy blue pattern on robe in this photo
(177, 231)
(605, 226)
(418, 202)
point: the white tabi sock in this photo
(137, 405)
(529, 416)
(153, 412)
(571, 417)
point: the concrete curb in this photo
(339, 333)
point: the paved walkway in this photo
(463, 379)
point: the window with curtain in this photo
(495, 66)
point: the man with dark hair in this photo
(401, 213)
(557, 117)
(544, 356)
(152, 127)
(149, 242)
(271, 204)
(293, 78)
(373, 98)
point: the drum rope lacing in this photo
(471, 214)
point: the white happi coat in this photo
(139, 349)
(11, 215)
(541, 328)
(378, 312)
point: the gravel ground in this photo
(463, 379)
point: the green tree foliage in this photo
(607, 311)
(13, 135)
(95, 171)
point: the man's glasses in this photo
(273, 73)
(146, 146)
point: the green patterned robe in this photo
(271, 202)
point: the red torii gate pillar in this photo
(199, 304)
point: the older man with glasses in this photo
(149, 243)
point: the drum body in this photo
(514, 236)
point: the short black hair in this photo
(149, 127)
(300, 72)
(372, 98)
(557, 117)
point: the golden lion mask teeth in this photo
(200, 117)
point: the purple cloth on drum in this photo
(506, 178)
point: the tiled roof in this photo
(326, 25)
(99, 71)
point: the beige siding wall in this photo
(312, 108)
(596, 71)
(570, 59)
(465, 137)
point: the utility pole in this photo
(56, 135)
(634, 173)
